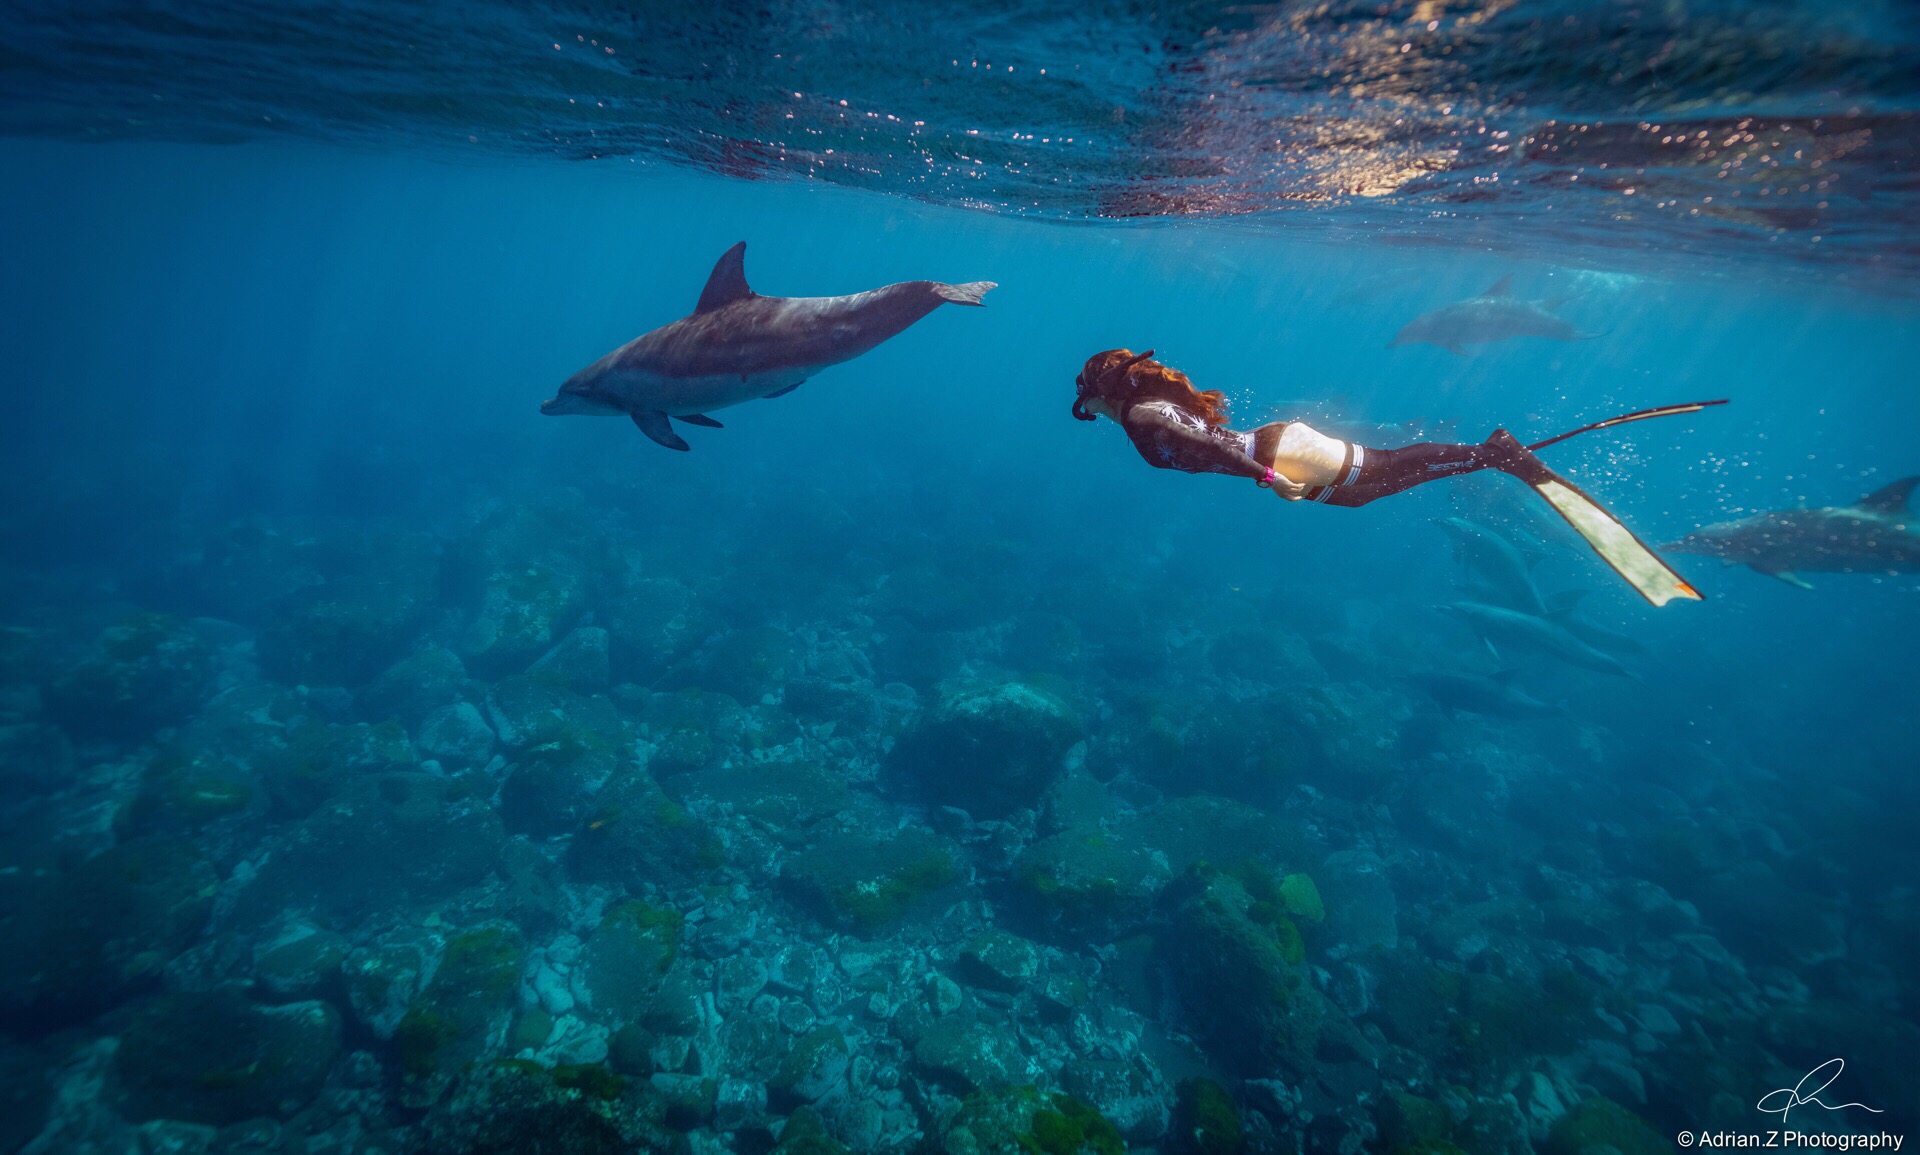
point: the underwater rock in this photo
(1240, 971)
(514, 1107)
(462, 1015)
(1206, 1121)
(1091, 880)
(814, 1068)
(626, 958)
(527, 576)
(149, 671)
(24, 1093)
(383, 978)
(78, 942)
(806, 1134)
(579, 662)
(457, 737)
(35, 760)
(213, 1057)
(385, 840)
(651, 624)
(1021, 1119)
(551, 787)
(1140, 741)
(999, 961)
(1223, 831)
(861, 882)
(785, 797)
(300, 962)
(971, 1055)
(1597, 1123)
(745, 664)
(315, 761)
(989, 748)
(525, 710)
(414, 687)
(347, 630)
(1076, 800)
(635, 836)
(1130, 1095)
(1361, 911)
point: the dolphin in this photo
(739, 346)
(1876, 534)
(1494, 695)
(1498, 561)
(1497, 625)
(1495, 315)
(1504, 572)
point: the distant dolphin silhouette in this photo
(1495, 315)
(1494, 695)
(1877, 534)
(739, 346)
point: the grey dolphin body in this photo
(1495, 696)
(1504, 571)
(1495, 315)
(1876, 534)
(1498, 561)
(739, 346)
(1497, 626)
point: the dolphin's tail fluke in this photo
(967, 294)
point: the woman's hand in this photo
(1287, 488)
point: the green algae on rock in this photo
(213, 1057)
(863, 882)
(464, 1012)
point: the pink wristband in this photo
(1266, 482)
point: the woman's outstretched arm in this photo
(1181, 446)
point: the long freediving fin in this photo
(653, 423)
(1630, 557)
(1636, 415)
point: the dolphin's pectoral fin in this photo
(728, 281)
(653, 423)
(1501, 288)
(783, 392)
(699, 419)
(1788, 576)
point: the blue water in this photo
(254, 372)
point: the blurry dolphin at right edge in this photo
(1876, 534)
(1495, 315)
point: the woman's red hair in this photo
(1124, 379)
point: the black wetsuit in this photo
(1171, 437)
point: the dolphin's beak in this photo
(551, 406)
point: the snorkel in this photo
(1080, 411)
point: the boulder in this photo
(988, 748)
(861, 881)
(213, 1057)
(149, 671)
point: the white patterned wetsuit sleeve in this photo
(1169, 437)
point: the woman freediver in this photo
(1175, 426)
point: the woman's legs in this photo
(1382, 472)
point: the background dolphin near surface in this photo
(739, 346)
(1495, 315)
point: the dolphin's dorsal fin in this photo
(728, 282)
(1890, 498)
(1501, 288)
